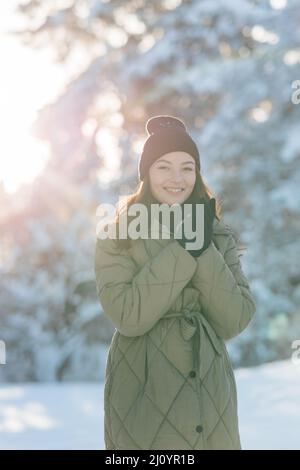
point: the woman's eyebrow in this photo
(170, 162)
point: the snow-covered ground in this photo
(70, 416)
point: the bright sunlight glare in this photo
(28, 80)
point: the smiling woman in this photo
(169, 383)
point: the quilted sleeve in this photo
(224, 290)
(136, 298)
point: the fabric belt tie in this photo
(192, 321)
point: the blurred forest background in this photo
(226, 67)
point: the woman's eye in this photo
(165, 167)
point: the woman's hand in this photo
(209, 215)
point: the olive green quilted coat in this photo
(169, 383)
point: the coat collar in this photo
(219, 227)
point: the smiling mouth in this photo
(174, 190)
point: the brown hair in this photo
(143, 194)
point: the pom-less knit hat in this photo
(165, 134)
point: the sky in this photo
(29, 79)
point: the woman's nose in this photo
(176, 175)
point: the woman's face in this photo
(174, 170)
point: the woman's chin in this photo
(174, 199)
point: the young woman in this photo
(169, 382)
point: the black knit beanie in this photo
(165, 134)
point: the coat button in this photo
(192, 373)
(199, 428)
